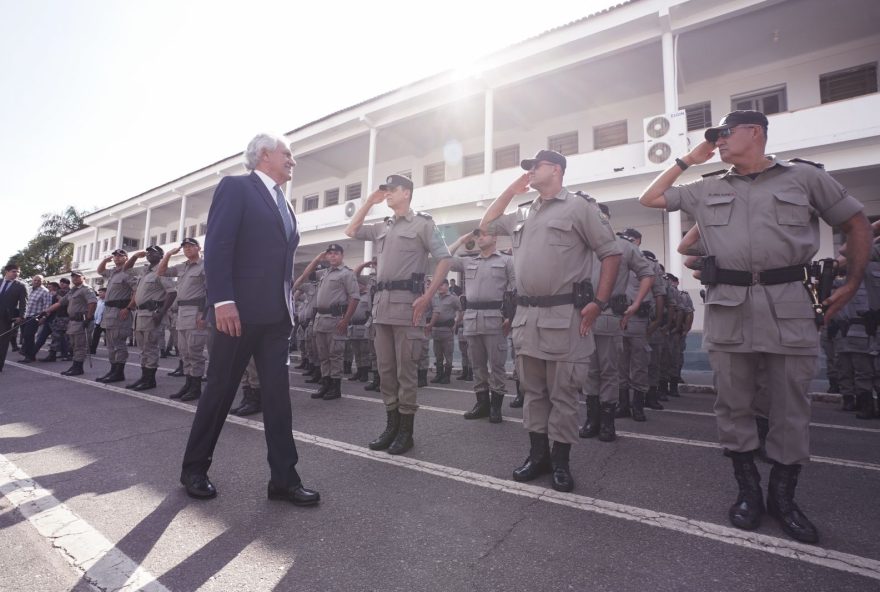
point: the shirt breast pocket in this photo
(379, 243)
(408, 240)
(559, 233)
(470, 272)
(792, 208)
(719, 208)
(516, 238)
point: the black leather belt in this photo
(364, 322)
(484, 305)
(116, 303)
(200, 302)
(545, 301)
(78, 317)
(336, 310)
(769, 277)
(446, 323)
(395, 285)
(152, 305)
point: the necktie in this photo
(285, 213)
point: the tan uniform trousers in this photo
(669, 356)
(748, 382)
(311, 345)
(464, 348)
(191, 344)
(149, 338)
(249, 377)
(118, 333)
(444, 345)
(79, 342)
(488, 356)
(360, 351)
(603, 374)
(424, 354)
(331, 349)
(398, 348)
(655, 341)
(551, 392)
(635, 357)
(855, 373)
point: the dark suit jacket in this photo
(13, 302)
(248, 258)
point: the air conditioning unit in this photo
(665, 139)
(350, 209)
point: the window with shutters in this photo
(129, 243)
(203, 228)
(564, 144)
(435, 173)
(507, 157)
(310, 202)
(106, 244)
(173, 237)
(191, 232)
(153, 240)
(331, 197)
(112, 243)
(352, 191)
(473, 164)
(768, 101)
(699, 116)
(609, 134)
(163, 238)
(849, 83)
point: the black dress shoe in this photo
(198, 486)
(298, 496)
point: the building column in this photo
(147, 227)
(182, 223)
(94, 246)
(670, 97)
(119, 233)
(488, 138)
(371, 173)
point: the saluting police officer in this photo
(554, 237)
(117, 320)
(192, 328)
(335, 302)
(489, 286)
(152, 299)
(80, 303)
(442, 326)
(402, 244)
(759, 226)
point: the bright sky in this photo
(105, 99)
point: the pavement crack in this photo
(500, 540)
(604, 467)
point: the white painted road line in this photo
(814, 555)
(95, 558)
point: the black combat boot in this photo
(52, 356)
(849, 403)
(781, 504)
(325, 387)
(607, 433)
(75, 370)
(518, 399)
(360, 375)
(335, 391)
(108, 374)
(310, 371)
(562, 479)
(638, 406)
(315, 376)
(195, 389)
(481, 408)
(147, 381)
(865, 403)
(183, 390)
(833, 387)
(746, 511)
(470, 375)
(252, 402)
(138, 382)
(663, 391)
(117, 374)
(538, 461)
(673, 387)
(623, 408)
(447, 373)
(374, 384)
(177, 371)
(245, 390)
(591, 425)
(461, 375)
(763, 425)
(163, 353)
(423, 377)
(404, 439)
(392, 425)
(495, 401)
(303, 364)
(438, 374)
(346, 367)
(651, 401)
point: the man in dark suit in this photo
(249, 248)
(13, 302)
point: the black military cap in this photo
(64, 281)
(189, 241)
(74, 272)
(671, 277)
(334, 247)
(631, 234)
(121, 252)
(396, 181)
(547, 156)
(155, 249)
(649, 255)
(735, 118)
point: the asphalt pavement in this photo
(90, 499)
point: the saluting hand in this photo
(376, 197)
(521, 185)
(703, 152)
(589, 314)
(227, 319)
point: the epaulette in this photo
(585, 196)
(818, 165)
(713, 173)
(424, 215)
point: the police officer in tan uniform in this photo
(192, 328)
(152, 299)
(402, 244)
(357, 336)
(489, 284)
(117, 320)
(80, 303)
(443, 326)
(335, 302)
(553, 240)
(759, 223)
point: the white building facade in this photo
(621, 93)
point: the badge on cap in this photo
(120, 252)
(335, 247)
(189, 241)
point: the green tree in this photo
(46, 254)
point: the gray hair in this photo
(256, 146)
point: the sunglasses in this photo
(727, 132)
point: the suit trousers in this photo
(748, 382)
(267, 344)
(28, 338)
(5, 325)
(95, 339)
(488, 356)
(551, 392)
(398, 349)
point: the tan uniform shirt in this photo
(402, 246)
(755, 225)
(553, 242)
(151, 288)
(190, 286)
(119, 284)
(306, 309)
(446, 306)
(78, 299)
(486, 280)
(336, 286)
